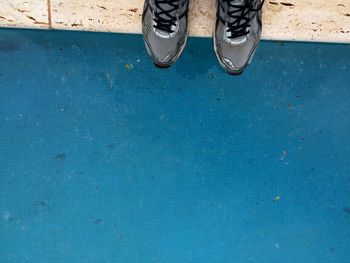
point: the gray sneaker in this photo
(237, 33)
(165, 29)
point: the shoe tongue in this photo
(238, 3)
(167, 7)
(234, 2)
(230, 19)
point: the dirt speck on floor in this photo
(347, 210)
(129, 66)
(98, 221)
(284, 155)
(277, 198)
(8, 46)
(60, 157)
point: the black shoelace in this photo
(165, 15)
(238, 16)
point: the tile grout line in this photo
(49, 13)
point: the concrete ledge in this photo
(24, 14)
(303, 20)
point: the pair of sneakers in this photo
(236, 35)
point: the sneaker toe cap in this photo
(237, 57)
(164, 49)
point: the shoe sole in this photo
(161, 66)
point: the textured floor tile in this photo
(24, 14)
(310, 20)
(316, 20)
(101, 15)
(305, 20)
(106, 158)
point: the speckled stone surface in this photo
(305, 20)
(24, 14)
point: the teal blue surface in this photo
(105, 158)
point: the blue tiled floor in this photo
(105, 158)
